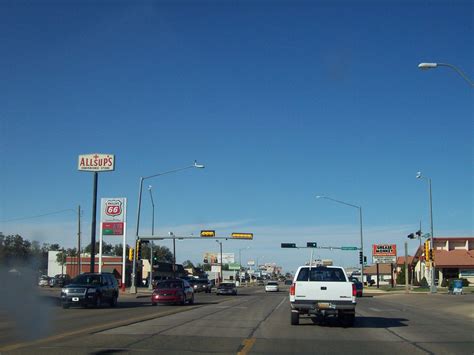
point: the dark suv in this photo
(91, 289)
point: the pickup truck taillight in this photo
(354, 290)
(292, 289)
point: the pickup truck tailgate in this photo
(323, 291)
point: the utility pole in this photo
(79, 240)
(406, 267)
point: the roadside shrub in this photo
(445, 283)
(424, 283)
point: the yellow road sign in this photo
(208, 233)
(242, 235)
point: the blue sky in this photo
(282, 101)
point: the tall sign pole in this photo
(95, 163)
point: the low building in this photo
(453, 258)
(384, 274)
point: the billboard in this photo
(384, 253)
(215, 258)
(96, 162)
(113, 215)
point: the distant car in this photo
(91, 289)
(174, 291)
(288, 282)
(226, 288)
(359, 286)
(260, 283)
(200, 285)
(271, 286)
(59, 280)
(43, 281)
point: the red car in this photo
(173, 291)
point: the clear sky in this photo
(281, 100)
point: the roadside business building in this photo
(453, 259)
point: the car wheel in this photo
(113, 301)
(191, 301)
(295, 318)
(65, 306)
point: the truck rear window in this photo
(321, 274)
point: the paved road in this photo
(255, 322)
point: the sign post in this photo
(95, 163)
(113, 220)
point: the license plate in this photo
(324, 305)
(75, 299)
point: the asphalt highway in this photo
(255, 322)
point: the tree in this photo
(106, 248)
(188, 264)
(162, 254)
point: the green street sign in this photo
(349, 248)
(234, 266)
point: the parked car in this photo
(359, 286)
(226, 288)
(44, 281)
(173, 291)
(91, 289)
(260, 283)
(271, 286)
(59, 280)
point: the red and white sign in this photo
(96, 162)
(113, 210)
(384, 250)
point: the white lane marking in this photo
(283, 300)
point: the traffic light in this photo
(288, 245)
(411, 236)
(130, 254)
(311, 245)
(361, 258)
(139, 249)
(431, 255)
(418, 233)
(427, 251)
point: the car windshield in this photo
(170, 284)
(87, 280)
(321, 274)
(272, 283)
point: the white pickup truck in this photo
(322, 291)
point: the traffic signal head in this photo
(411, 236)
(139, 249)
(427, 250)
(130, 254)
(288, 245)
(431, 255)
(311, 244)
(418, 233)
(361, 258)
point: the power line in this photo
(37, 216)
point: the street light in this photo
(133, 288)
(432, 283)
(426, 66)
(361, 234)
(220, 275)
(150, 286)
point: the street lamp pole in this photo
(240, 264)
(432, 283)
(361, 232)
(150, 286)
(220, 274)
(133, 287)
(426, 66)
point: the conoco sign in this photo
(96, 162)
